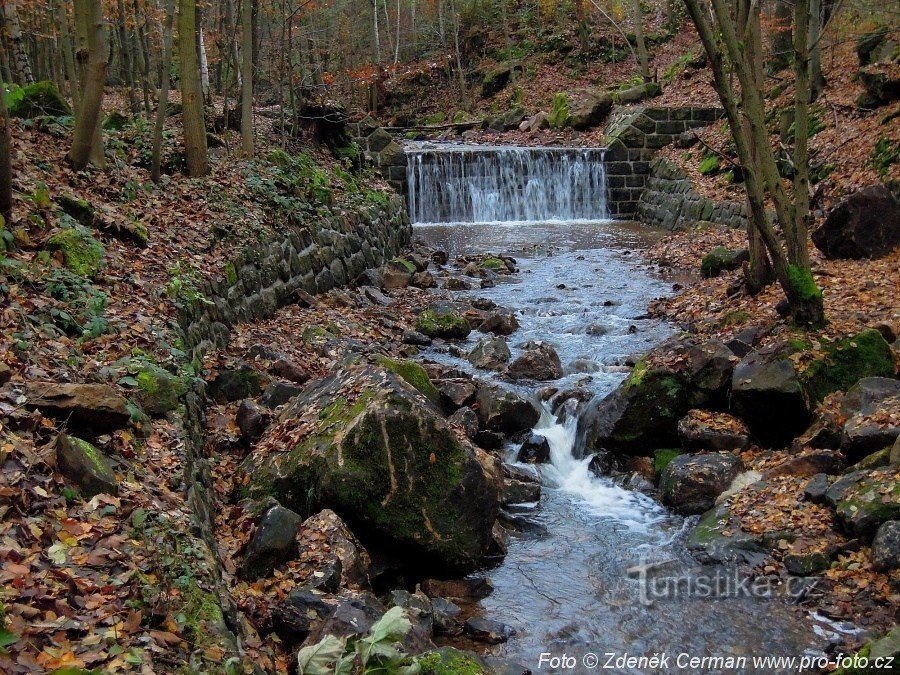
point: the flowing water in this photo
(575, 588)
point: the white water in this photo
(482, 184)
(566, 472)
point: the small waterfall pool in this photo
(575, 588)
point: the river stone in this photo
(588, 107)
(456, 392)
(94, 408)
(864, 225)
(470, 588)
(863, 500)
(487, 631)
(396, 275)
(443, 321)
(423, 280)
(453, 661)
(768, 395)
(709, 543)
(274, 541)
(886, 546)
(412, 337)
(520, 492)
(502, 322)
(293, 619)
(490, 354)
(536, 450)
(343, 544)
(418, 608)
(467, 420)
(691, 483)
(806, 564)
(445, 615)
(504, 411)
(372, 448)
(539, 362)
(809, 463)
(699, 430)
(816, 489)
(85, 466)
(251, 420)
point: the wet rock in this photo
(816, 489)
(443, 322)
(522, 524)
(467, 419)
(445, 615)
(279, 393)
(85, 466)
(691, 483)
(411, 337)
(769, 397)
(287, 369)
(864, 225)
(519, 492)
(457, 284)
(439, 257)
(487, 631)
(536, 450)
(370, 277)
(375, 296)
(396, 275)
(470, 588)
(709, 542)
(251, 420)
(456, 393)
(377, 452)
(452, 661)
(423, 280)
(863, 500)
(744, 342)
(274, 542)
(352, 616)
(418, 608)
(490, 354)
(806, 564)
(809, 463)
(886, 546)
(294, 618)
(582, 366)
(94, 408)
(489, 440)
(502, 322)
(539, 362)
(505, 411)
(353, 557)
(484, 304)
(699, 430)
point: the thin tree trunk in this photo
(191, 94)
(20, 64)
(163, 93)
(65, 38)
(5, 156)
(204, 63)
(141, 58)
(247, 75)
(127, 57)
(798, 250)
(641, 47)
(816, 21)
(87, 121)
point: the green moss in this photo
(230, 274)
(803, 284)
(405, 264)
(81, 252)
(737, 317)
(716, 261)
(559, 113)
(637, 374)
(446, 324)
(710, 525)
(79, 209)
(662, 457)
(493, 263)
(160, 391)
(412, 373)
(709, 165)
(866, 354)
(449, 661)
(141, 235)
(315, 335)
(39, 99)
(101, 466)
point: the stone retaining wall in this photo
(382, 150)
(633, 137)
(669, 201)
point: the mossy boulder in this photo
(662, 457)
(78, 209)
(372, 448)
(443, 322)
(159, 391)
(80, 251)
(40, 99)
(863, 500)
(720, 259)
(496, 79)
(234, 384)
(847, 361)
(85, 466)
(412, 373)
(451, 661)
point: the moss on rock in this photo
(450, 661)
(443, 323)
(39, 99)
(662, 457)
(559, 113)
(412, 373)
(847, 361)
(81, 252)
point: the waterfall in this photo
(493, 184)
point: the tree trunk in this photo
(191, 94)
(127, 57)
(204, 63)
(247, 75)
(816, 22)
(5, 159)
(163, 93)
(641, 47)
(781, 49)
(87, 121)
(65, 38)
(20, 65)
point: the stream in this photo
(574, 588)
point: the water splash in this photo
(566, 472)
(486, 184)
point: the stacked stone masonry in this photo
(382, 150)
(633, 137)
(669, 201)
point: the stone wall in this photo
(669, 201)
(382, 150)
(633, 137)
(313, 258)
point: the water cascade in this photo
(484, 184)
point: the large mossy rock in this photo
(39, 99)
(643, 413)
(369, 446)
(588, 108)
(85, 466)
(443, 321)
(863, 500)
(864, 225)
(81, 252)
(847, 361)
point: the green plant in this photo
(376, 652)
(709, 165)
(559, 114)
(183, 288)
(885, 153)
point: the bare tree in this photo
(191, 94)
(163, 93)
(5, 159)
(640, 45)
(247, 77)
(723, 33)
(85, 143)
(21, 65)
